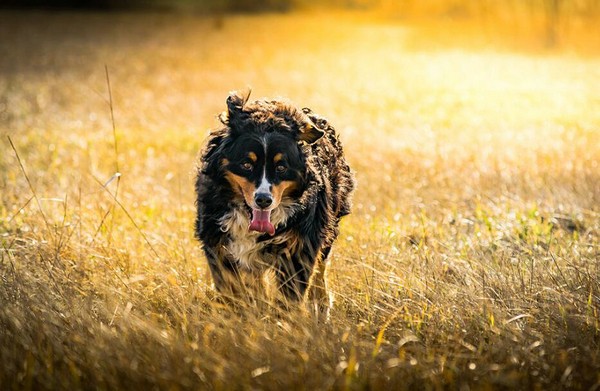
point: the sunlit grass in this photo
(471, 256)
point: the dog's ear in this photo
(235, 107)
(212, 155)
(309, 133)
(235, 104)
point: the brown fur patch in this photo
(281, 190)
(241, 186)
(252, 156)
(278, 158)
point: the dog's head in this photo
(261, 156)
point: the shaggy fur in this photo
(271, 188)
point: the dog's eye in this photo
(281, 168)
(246, 166)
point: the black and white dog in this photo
(272, 187)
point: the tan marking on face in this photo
(281, 190)
(242, 186)
(278, 158)
(252, 156)
(224, 162)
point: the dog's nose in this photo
(263, 200)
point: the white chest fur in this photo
(243, 246)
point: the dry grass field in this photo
(471, 259)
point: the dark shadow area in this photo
(209, 6)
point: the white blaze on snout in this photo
(261, 219)
(265, 186)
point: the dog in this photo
(272, 185)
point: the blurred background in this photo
(553, 19)
(473, 128)
(502, 86)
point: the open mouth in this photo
(261, 221)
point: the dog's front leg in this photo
(319, 299)
(225, 273)
(293, 273)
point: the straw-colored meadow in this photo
(471, 259)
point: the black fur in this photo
(317, 183)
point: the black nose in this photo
(263, 200)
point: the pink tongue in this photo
(261, 221)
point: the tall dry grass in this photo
(471, 258)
